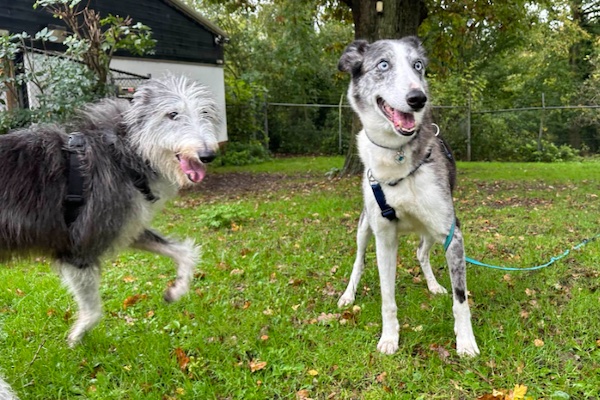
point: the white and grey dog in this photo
(82, 191)
(408, 179)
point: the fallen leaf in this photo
(313, 372)
(302, 395)
(129, 279)
(131, 300)
(519, 392)
(256, 365)
(381, 377)
(538, 342)
(182, 359)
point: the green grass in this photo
(275, 261)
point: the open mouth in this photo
(192, 168)
(404, 123)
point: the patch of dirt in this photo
(234, 185)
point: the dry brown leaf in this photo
(131, 300)
(182, 359)
(257, 365)
(381, 377)
(302, 395)
(538, 342)
(129, 279)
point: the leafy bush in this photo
(14, 119)
(549, 152)
(244, 154)
(225, 215)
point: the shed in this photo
(187, 43)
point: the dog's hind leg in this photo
(465, 339)
(84, 284)
(423, 257)
(185, 254)
(363, 235)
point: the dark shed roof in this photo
(182, 34)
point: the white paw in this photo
(345, 300)
(73, 340)
(467, 346)
(437, 289)
(387, 345)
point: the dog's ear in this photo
(417, 43)
(352, 58)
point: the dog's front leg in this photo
(185, 254)
(84, 284)
(455, 256)
(386, 244)
(363, 235)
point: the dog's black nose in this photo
(207, 156)
(416, 99)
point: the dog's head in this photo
(173, 122)
(388, 88)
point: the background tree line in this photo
(486, 55)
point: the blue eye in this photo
(418, 66)
(383, 65)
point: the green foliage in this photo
(223, 215)
(549, 152)
(13, 119)
(243, 154)
(62, 84)
(94, 41)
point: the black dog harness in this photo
(74, 198)
(386, 210)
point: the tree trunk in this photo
(398, 18)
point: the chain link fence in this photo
(478, 135)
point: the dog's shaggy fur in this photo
(163, 137)
(413, 167)
(5, 391)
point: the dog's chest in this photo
(415, 199)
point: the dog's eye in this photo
(383, 65)
(172, 115)
(418, 66)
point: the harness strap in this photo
(386, 210)
(74, 198)
(140, 181)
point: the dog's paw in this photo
(437, 289)
(74, 338)
(387, 345)
(467, 347)
(345, 300)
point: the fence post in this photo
(340, 124)
(266, 106)
(469, 128)
(539, 141)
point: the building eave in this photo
(195, 15)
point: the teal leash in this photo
(552, 260)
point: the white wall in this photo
(211, 76)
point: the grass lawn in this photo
(261, 321)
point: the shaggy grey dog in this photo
(131, 158)
(5, 391)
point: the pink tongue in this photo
(193, 169)
(404, 121)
